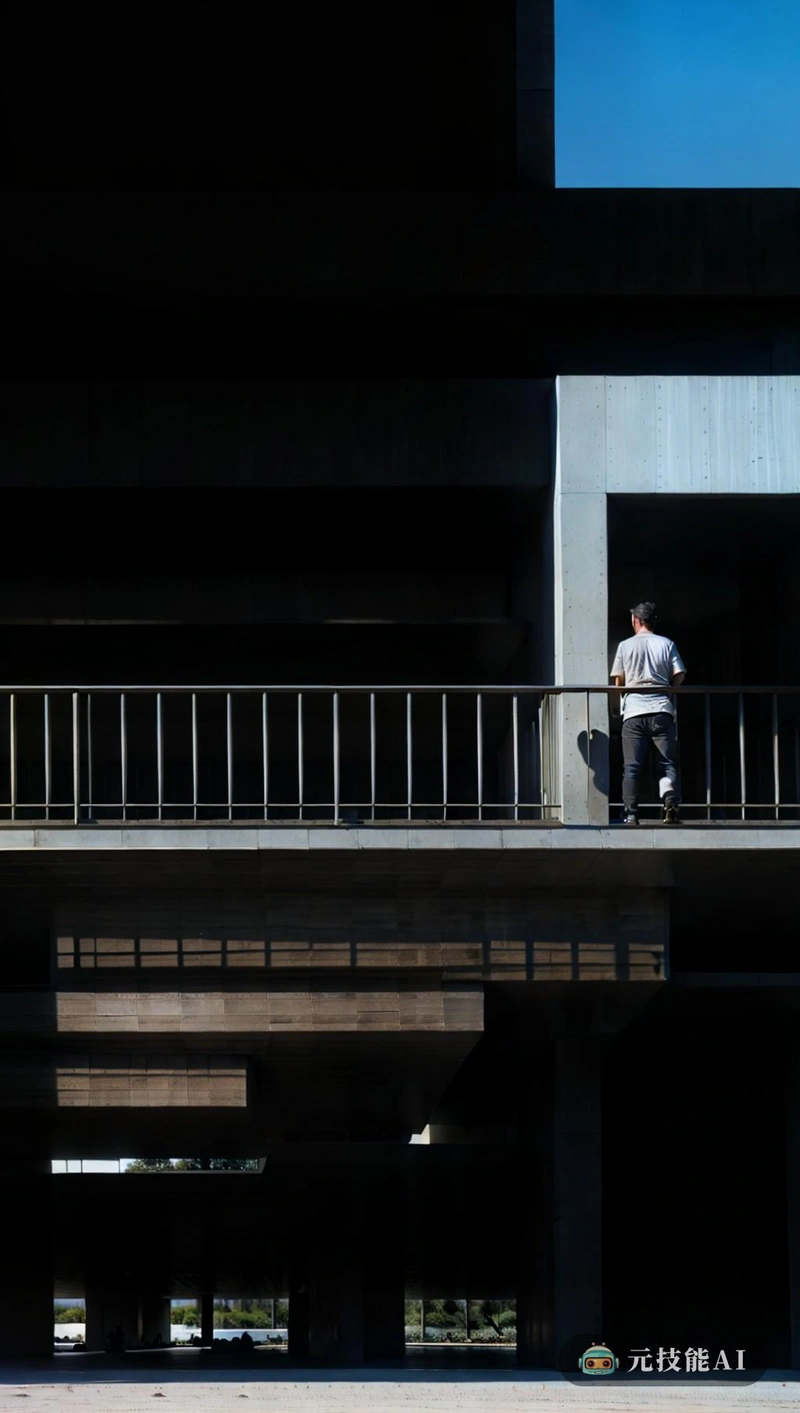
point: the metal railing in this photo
(361, 754)
(739, 753)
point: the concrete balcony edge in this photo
(333, 838)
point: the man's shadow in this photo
(594, 751)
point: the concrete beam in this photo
(593, 936)
(303, 838)
(64, 1081)
(304, 1009)
(680, 434)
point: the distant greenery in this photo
(446, 1320)
(193, 1165)
(69, 1314)
(250, 1315)
(185, 1315)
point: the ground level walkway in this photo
(178, 1381)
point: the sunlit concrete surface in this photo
(231, 838)
(50, 1388)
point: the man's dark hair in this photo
(646, 613)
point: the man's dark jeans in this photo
(638, 734)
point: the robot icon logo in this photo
(598, 1359)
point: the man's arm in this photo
(617, 670)
(678, 669)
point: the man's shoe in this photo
(671, 815)
(631, 817)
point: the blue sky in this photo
(678, 93)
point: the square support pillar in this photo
(384, 1207)
(26, 1296)
(580, 564)
(298, 1305)
(347, 1274)
(559, 1295)
(792, 1120)
(336, 1304)
(156, 1319)
(207, 1318)
(109, 1307)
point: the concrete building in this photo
(334, 444)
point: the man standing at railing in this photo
(648, 718)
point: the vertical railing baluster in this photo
(76, 759)
(409, 775)
(707, 733)
(588, 730)
(537, 727)
(444, 755)
(195, 758)
(336, 757)
(123, 754)
(776, 765)
(47, 755)
(229, 749)
(479, 749)
(89, 753)
(515, 746)
(797, 770)
(265, 751)
(372, 754)
(159, 756)
(742, 760)
(12, 746)
(300, 754)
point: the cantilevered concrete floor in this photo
(305, 838)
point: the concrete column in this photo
(384, 1315)
(207, 1317)
(108, 1306)
(384, 1208)
(26, 1289)
(336, 1304)
(298, 1300)
(347, 1269)
(559, 1296)
(156, 1318)
(326, 1296)
(580, 563)
(792, 1113)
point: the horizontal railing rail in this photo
(372, 754)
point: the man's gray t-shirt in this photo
(646, 660)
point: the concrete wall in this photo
(553, 936)
(535, 57)
(323, 1006)
(28, 1080)
(675, 435)
(276, 431)
(245, 99)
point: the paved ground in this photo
(62, 1387)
